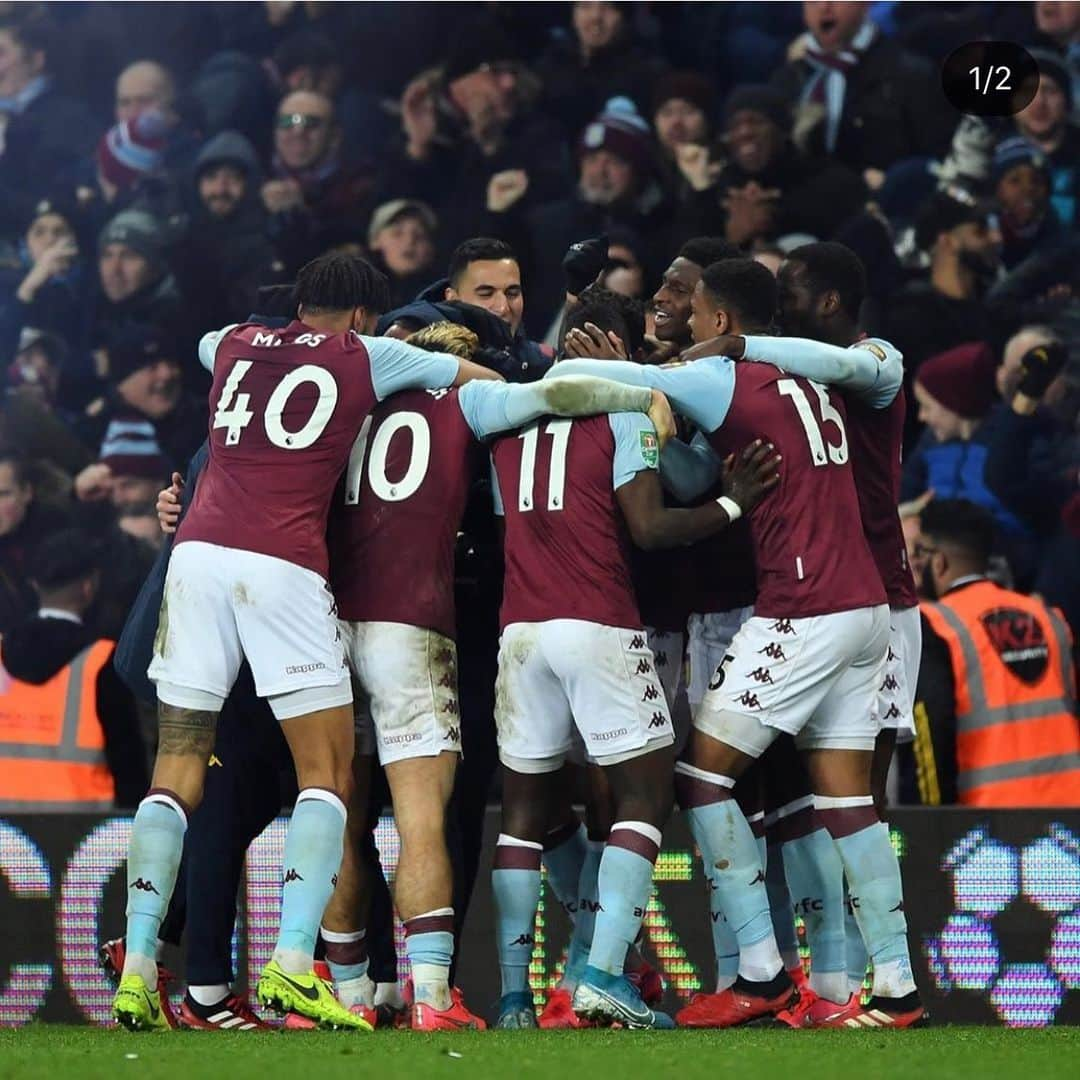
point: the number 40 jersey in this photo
(286, 406)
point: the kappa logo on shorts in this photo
(749, 700)
(643, 667)
(892, 655)
(304, 669)
(658, 720)
(651, 693)
(890, 683)
(782, 626)
(892, 713)
(450, 707)
(452, 735)
(607, 736)
(446, 679)
(444, 656)
(761, 675)
(637, 642)
(774, 651)
(408, 737)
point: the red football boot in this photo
(457, 1017)
(559, 1013)
(648, 983)
(738, 1004)
(111, 960)
(878, 1012)
(811, 1010)
(799, 977)
(232, 1014)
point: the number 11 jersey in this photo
(286, 407)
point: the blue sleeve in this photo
(872, 369)
(688, 471)
(396, 365)
(636, 446)
(496, 494)
(700, 391)
(491, 407)
(208, 345)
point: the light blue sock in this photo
(780, 909)
(313, 847)
(856, 948)
(725, 945)
(815, 878)
(625, 885)
(429, 945)
(563, 861)
(515, 881)
(157, 842)
(585, 923)
(730, 851)
(877, 894)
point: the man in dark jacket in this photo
(768, 188)
(66, 574)
(44, 133)
(225, 254)
(860, 96)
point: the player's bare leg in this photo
(423, 885)
(185, 742)
(705, 783)
(321, 743)
(344, 922)
(842, 798)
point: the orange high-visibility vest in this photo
(52, 746)
(1017, 734)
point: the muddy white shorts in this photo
(709, 638)
(896, 693)
(567, 673)
(405, 690)
(223, 605)
(815, 678)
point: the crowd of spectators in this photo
(160, 163)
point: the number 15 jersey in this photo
(286, 406)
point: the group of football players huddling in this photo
(318, 546)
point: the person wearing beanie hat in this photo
(137, 468)
(767, 188)
(1046, 123)
(131, 150)
(682, 107)
(957, 401)
(614, 154)
(401, 236)
(131, 254)
(1021, 177)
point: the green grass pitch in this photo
(58, 1052)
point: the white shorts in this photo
(896, 692)
(405, 690)
(667, 648)
(222, 605)
(566, 673)
(710, 638)
(815, 678)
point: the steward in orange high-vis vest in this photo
(52, 744)
(996, 721)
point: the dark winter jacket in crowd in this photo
(892, 108)
(178, 434)
(18, 600)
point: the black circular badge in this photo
(990, 78)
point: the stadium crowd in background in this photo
(160, 164)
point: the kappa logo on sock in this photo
(761, 675)
(774, 651)
(292, 875)
(145, 886)
(759, 878)
(524, 939)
